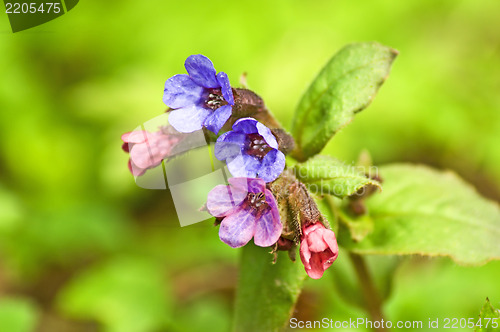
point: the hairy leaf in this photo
(432, 213)
(345, 86)
(326, 175)
(489, 318)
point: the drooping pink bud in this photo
(318, 249)
(146, 149)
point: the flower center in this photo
(215, 99)
(257, 201)
(257, 146)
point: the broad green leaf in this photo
(432, 213)
(489, 318)
(267, 292)
(326, 175)
(345, 86)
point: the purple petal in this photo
(218, 118)
(237, 228)
(223, 199)
(243, 165)
(269, 227)
(267, 134)
(272, 165)
(188, 119)
(227, 92)
(253, 185)
(181, 91)
(229, 145)
(246, 125)
(202, 71)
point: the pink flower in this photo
(146, 149)
(248, 209)
(318, 249)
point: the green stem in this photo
(373, 304)
(266, 292)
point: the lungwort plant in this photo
(288, 198)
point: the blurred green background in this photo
(82, 248)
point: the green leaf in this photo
(17, 315)
(327, 175)
(125, 295)
(345, 86)
(359, 226)
(267, 292)
(489, 318)
(381, 268)
(432, 213)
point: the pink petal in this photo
(135, 136)
(305, 254)
(316, 271)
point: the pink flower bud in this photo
(146, 149)
(318, 249)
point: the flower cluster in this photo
(246, 208)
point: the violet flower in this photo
(248, 210)
(200, 99)
(318, 249)
(146, 149)
(250, 150)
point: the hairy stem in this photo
(373, 304)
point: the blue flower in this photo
(250, 150)
(200, 99)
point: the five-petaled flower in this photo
(250, 150)
(200, 99)
(146, 149)
(318, 249)
(248, 210)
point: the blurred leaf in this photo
(327, 175)
(432, 213)
(10, 210)
(359, 226)
(267, 292)
(345, 86)
(488, 312)
(17, 315)
(125, 295)
(382, 269)
(208, 313)
(66, 236)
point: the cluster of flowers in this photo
(246, 208)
